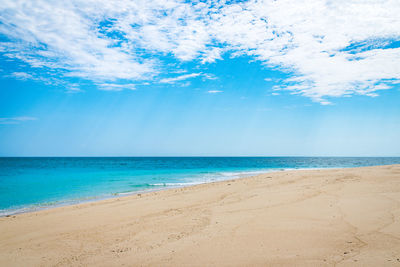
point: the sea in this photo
(34, 183)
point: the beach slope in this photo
(303, 217)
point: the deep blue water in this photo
(32, 183)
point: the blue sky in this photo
(181, 78)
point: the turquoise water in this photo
(33, 183)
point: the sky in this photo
(200, 78)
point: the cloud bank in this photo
(329, 48)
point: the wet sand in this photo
(331, 217)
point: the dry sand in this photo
(293, 218)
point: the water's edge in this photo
(33, 184)
(47, 206)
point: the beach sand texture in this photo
(347, 217)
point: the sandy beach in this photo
(347, 217)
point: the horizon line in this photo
(199, 156)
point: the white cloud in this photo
(116, 86)
(73, 88)
(330, 48)
(21, 75)
(309, 38)
(65, 36)
(211, 55)
(214, 91)
(207, 76)
(16, 120)
(180, 78)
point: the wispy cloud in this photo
(116, 86)
(329, 48)
(73, 88)
(180, 78)
(209, 77)
(49, 80)
(214, 91)
(21, 75)
(16, 120)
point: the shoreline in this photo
(340, 216)
(90, 199)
